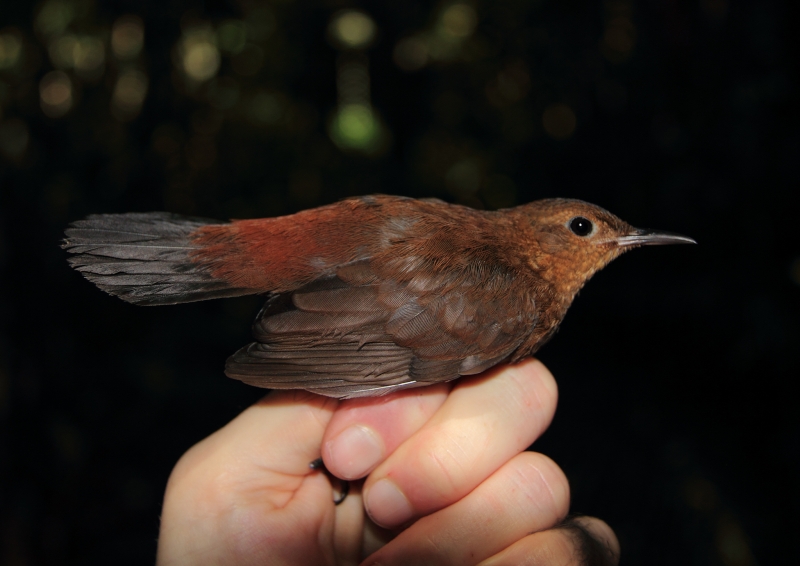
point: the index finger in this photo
(484, 422)
(363, 432)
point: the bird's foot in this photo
(344, 485)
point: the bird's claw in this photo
(344, 485)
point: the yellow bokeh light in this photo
(200, 57)
(352, 29)
(89, 55)
(55, 93)
(459, 21)
(443, 47)
(127, 37)
(61, 49)
(129, 94)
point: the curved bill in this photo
(640, 237)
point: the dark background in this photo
(678, 420)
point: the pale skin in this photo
(448, 481)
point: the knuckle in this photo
(444, 465)
(541, 485)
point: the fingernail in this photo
(386, 504)
(353, 452)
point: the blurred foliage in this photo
(678, 421)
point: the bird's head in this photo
(572, 240)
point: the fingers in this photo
(527, 494)
(582, 541)
(483, 423)
(363, 432)
(237, 490)
(281, 433)
(270, 444)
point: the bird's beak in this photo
(638, 237)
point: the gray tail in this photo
(144, 258)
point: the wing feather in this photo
(358, 334)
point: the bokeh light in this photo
(733, 546)
(10, 49)
(88, 56)
(127, 37)
(619, 39)
(54, 16)
(357, 127)
(232, 36)
(199, 56)
(129, 94)
(559, 121)
(85, 54)
(619, 36)
(60, 50)
(449, 39)
(458, 21)
(55, 94)
(352, 29)
(352, 80)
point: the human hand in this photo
(446, 472)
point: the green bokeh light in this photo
(356, 126)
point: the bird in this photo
(369, 295)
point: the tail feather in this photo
(144, 258)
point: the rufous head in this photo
(574, 239)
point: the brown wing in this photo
(381, 325)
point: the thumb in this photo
(281, 434)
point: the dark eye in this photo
(581, 226)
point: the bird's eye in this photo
(581, 226)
